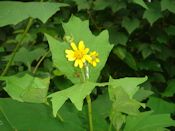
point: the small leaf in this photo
(130, 24)
(82, 4)
(153, 13)
(170, 30)
(13, 12)
(170, 89)
(168, 5)
(141, 3)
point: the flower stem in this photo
(88, 99)
(85, 77)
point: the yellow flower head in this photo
(95, 59)
(78, 54)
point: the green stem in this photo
(85, 77)
(39, 62)
(17, 47)
(88, 99)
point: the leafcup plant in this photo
(80, 61)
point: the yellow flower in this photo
(95, 59)
(78, 54)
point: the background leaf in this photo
(19, 11)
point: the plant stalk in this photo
(85, 77)
(17, 47)
(39, 62)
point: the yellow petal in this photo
(69, 51)
(80, 64)
(83, 59)
(88, 58)
(93, 53)
(97, 60)
(94, 64)
(86, 50)
(81, 45)
(73, 45)
(76, 63)
(71, 58)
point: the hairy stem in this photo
(17, 47)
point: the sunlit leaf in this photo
(76, 94)
(27, 87)
(74, 29)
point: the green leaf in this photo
(115, 6)
(27, 88)
(14, 12)
(153, 13)
(130, 24)
(170, 30)
(168, 5)
(82, 4)
(149, 64)
(170, 89)
(142, 94)
(27, 56)
(160, 106)
(121, 92)
(26, 116)
(126, 56)
(76, 94)
(122, 101)
(117, 37)
(141, 3)
(147, 121)
(74, 29)
(129, 84)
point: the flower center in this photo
(78, 54)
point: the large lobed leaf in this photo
(36, 117)
(76, 94)
(79, 30)
(121, 92)
(14, 12)
(27, 87)
(148, 122)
